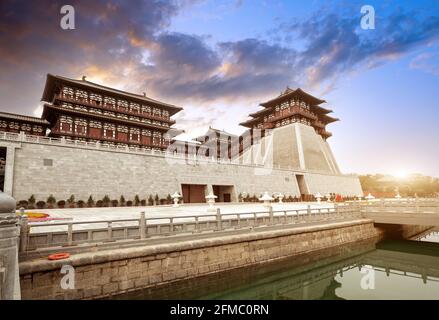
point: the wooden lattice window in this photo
(68, 92)
(109, 130)
(146, 109)
(95, 98)
(122, 105)
(157, 112)
(135, 107)
(110, 102)
(81, 126)
(134, 134)
(81, 95)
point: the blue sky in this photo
(220, 59)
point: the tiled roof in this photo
(23, 118)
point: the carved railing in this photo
(179, 157)
(104, 106)
(38, 235)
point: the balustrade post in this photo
(142, 225)
(417, 204)
(270, 213)
(171, 225)
(69, 234)
(218, 219)
(110, 230)
(24, 233)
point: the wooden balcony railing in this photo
(104, 106)
(293, 111)
(109, 139)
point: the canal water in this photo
(367, 270)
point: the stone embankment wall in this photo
(99, 274)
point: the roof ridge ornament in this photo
(83, 78)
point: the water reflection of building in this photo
(325, 275)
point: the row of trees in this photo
(71, 202)
(412, 185)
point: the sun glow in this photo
(401, 174)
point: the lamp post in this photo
(319, 197)
(328, 197)
(267, 199)
(211, 201)
(176, 196)
(280, 197)
(369, 198)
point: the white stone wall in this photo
(85, 171)
(346, 185)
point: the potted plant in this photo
(61, 204)
(129, 203)
(156, 199)
(81, 204)
(22, 204)
(90, 202)
(71, 201)
(99, 203)
(51, 201)
(41, 204)
(143, 202)
(114, 203)
(31, 202)
(168, 199)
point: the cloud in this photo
(128, 45)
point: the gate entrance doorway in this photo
(303, 188)
(224, 193)
(2, 168)
(194, 193)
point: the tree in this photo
(136, 200)
(90, 202)
(150, 200)
(122, 201)
(51, 201)
(31, 200)
(106, 200)
(156, 199)
(71, 201)
(169, 199)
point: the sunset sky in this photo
(220, 59)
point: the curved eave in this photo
(320, 110)
(327, 119)
(51, 80)
(260, 112)
(295, 93)
(248, 123)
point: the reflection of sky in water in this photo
(395, 286)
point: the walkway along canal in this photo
(188, 251)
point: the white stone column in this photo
(9, 274)
(9, 170)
